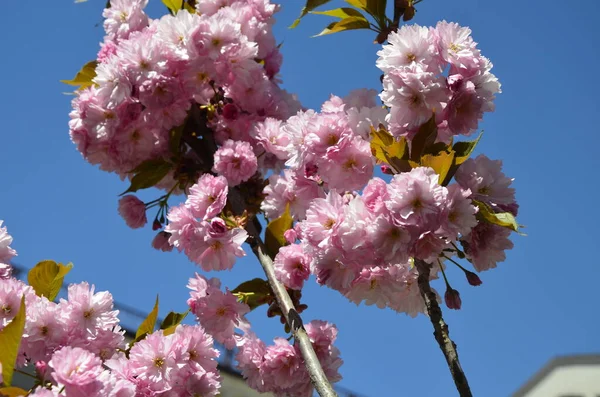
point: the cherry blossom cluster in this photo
(327, 150)
(220, 313)
(414, 85)
(363, 245)
(150, 73)
(85, 319)
(196, 229)
(76, 345)
(179, 364)
(279, 368)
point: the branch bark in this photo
(441, 332)
(315, 371)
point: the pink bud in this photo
(156, 225)
(217, 228)
(387, 170)
(473, 279)
(161, 242)
(452, 298)
(290, 236)
(41, 368)
(230, 111)
(455, 82)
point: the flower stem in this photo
(441, 332)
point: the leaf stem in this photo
(441, 332)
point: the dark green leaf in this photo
(504, 219)
(175, 139)
(274, 234)
(84, 77)
(349, 23)
(10, 340)
(464, 149)
(147, 326)
(254, 292)
(310, 5)
(424, 138)
(46, 278)
(170, 323)
(148, 174)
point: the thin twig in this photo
(441, 332)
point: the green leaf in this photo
(375, 8)
(464, 149)
(385, 148)
(84, 77)
(274, 234)
(10, 339)
(148, 174)
(47, 277)
(170, 323)
(424, 138)
(441, 163)
(504, 219)
(173, 5)
(254, 292)
(310, 5)
(13, 391)
(340, 13)
(349, 23)
(147, 326)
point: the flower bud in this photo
(161, 242)
(156, 224)
(452, 298)
(473, 278)
(230, 111)
(386, 169)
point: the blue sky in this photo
(540, 303)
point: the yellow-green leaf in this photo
(10, 339)
(384, 146)
(84, 77)
(375, 8)
(440, 163)
(310, 5)
(173, 5)
(274, 234)
(13, 392)
(464, 149)
(47, 277)
(349, 23)
(170, 323)
(504, 219)
(340, 13)
(147, 326)
(253, 292)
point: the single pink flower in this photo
(133, 210)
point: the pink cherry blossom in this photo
(133, 210)
(208, 196)
(292, 266)
(236, 161)
(6, 252)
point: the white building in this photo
(566, 376)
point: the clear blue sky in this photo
(540, 303)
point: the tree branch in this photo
(317, 376)
(441, 332)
